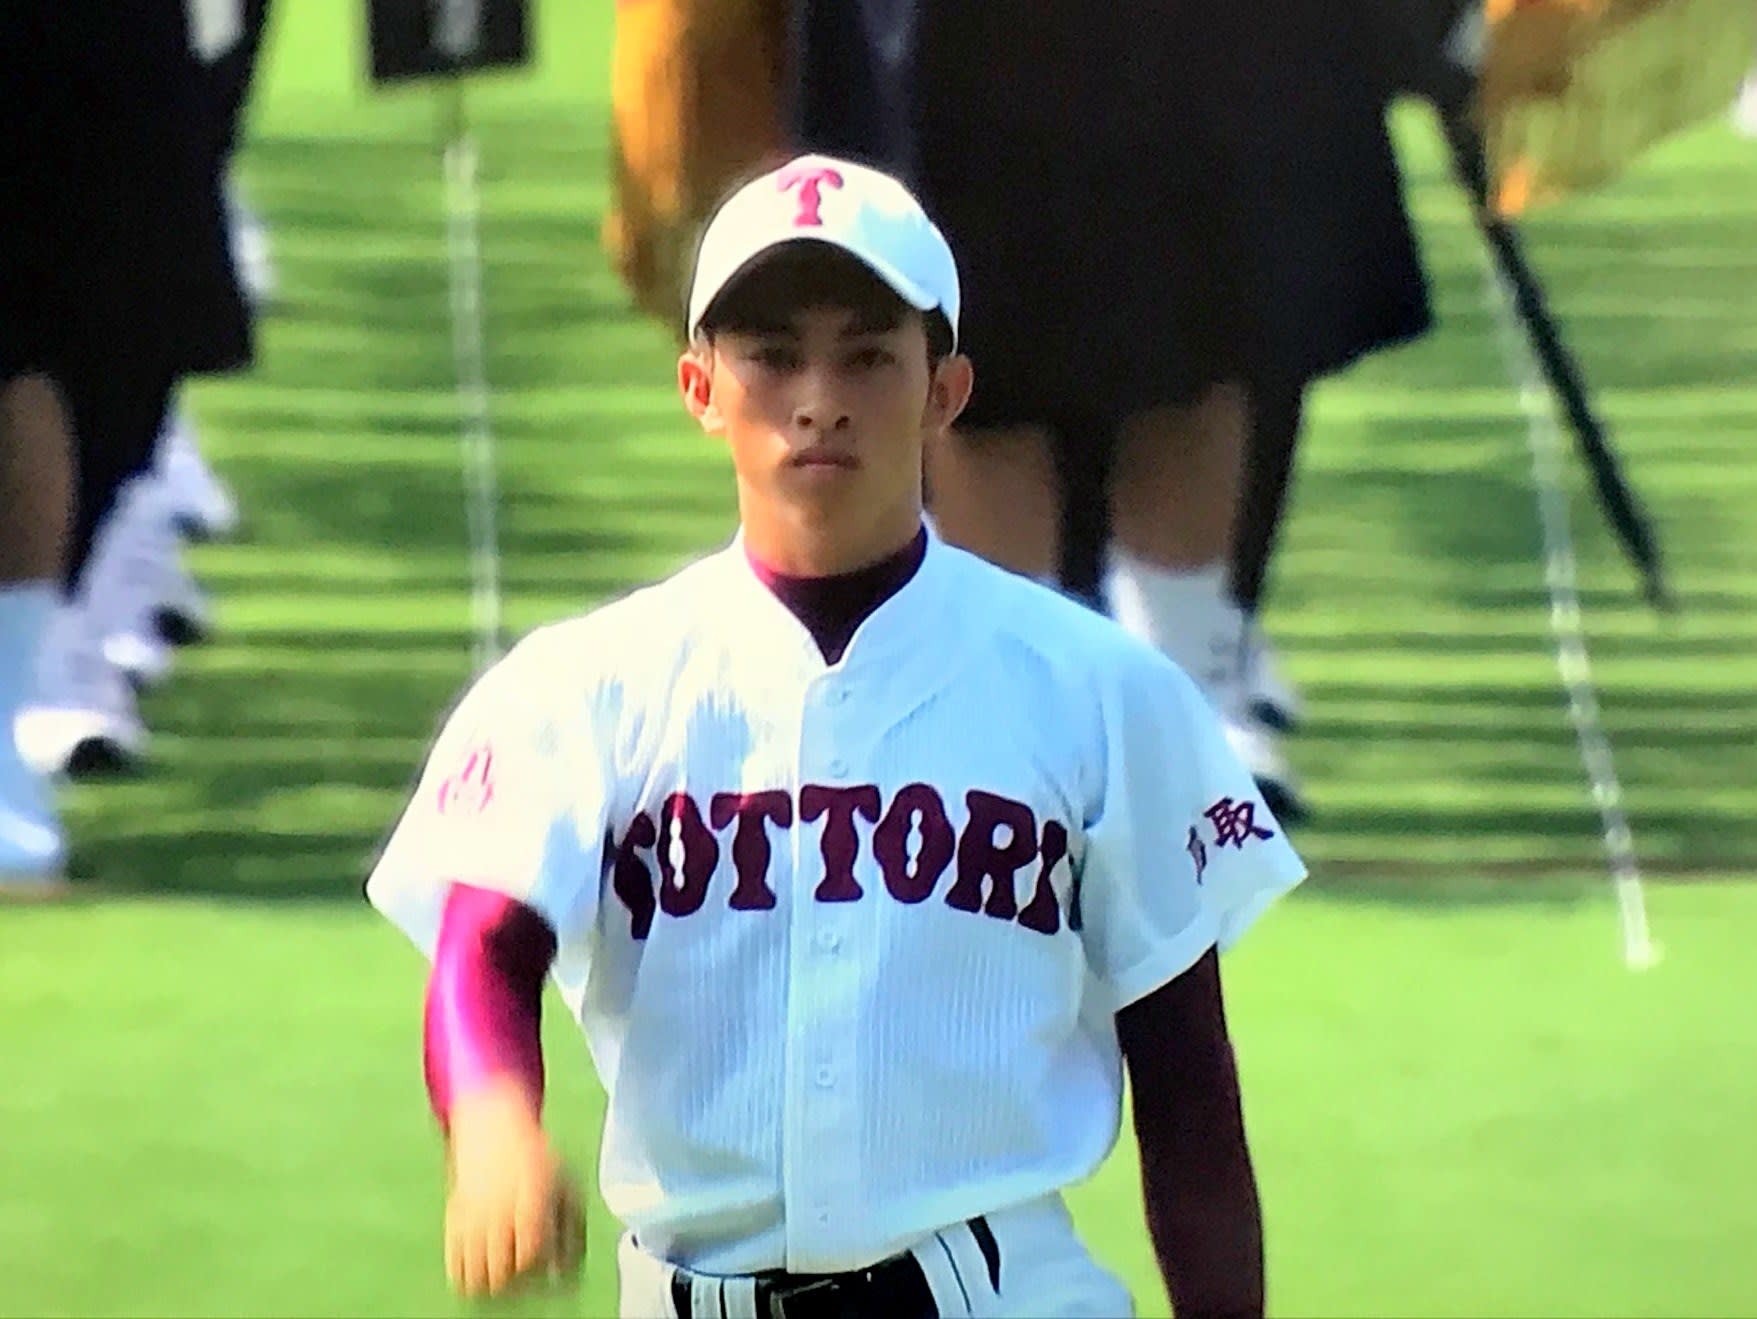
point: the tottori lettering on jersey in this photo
(846, 941)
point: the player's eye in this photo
(776, 357)
(870, 357)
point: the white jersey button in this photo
(838, 767)
(829, 941)
(826, 1077)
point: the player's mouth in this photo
(823, 456)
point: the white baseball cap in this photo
(867, 214)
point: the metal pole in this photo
(463, 209)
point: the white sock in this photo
(25, 611)
(1188, 615)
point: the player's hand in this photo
(512, 1213)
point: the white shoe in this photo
(202, 506)
(143, 659)
(1259, 751)
(180, 613)
(1273, 700)
(142, 600)
(82, 720)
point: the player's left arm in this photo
(1181, 857)
(1196, 1179)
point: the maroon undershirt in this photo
(833, 608)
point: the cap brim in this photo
(887, 274)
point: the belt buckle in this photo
(779, 1299)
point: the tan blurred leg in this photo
(36, 481)
(995, 493)
(1178, 475)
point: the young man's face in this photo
(825, 412)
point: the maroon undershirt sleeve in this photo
(1197, 1183)
(485, 996)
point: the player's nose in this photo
(819, 406)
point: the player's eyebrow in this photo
(872, 321)
(860, 323)
(767, 329)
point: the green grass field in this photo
(1461, 1103)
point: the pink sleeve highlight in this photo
(485, 997)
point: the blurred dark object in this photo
(851, 86)
(1418, 48)
(111, 211)
(231, 74)
(116, 277)
(412, 39)
(1633, 528)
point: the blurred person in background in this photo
(1175, 219)
(36, 498)
(153, 603)
(121, 285)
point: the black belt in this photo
(894, 1288)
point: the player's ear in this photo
(947, 393)
(695, 381)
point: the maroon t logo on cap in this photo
(810, 183)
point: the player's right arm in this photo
(511, 1210)
(487, 873)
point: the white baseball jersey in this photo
(846, 940)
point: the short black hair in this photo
(808, 273)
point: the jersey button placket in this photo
(823, 1002)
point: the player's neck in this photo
(832, 608)
(795, 549)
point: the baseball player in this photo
(866, 866)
